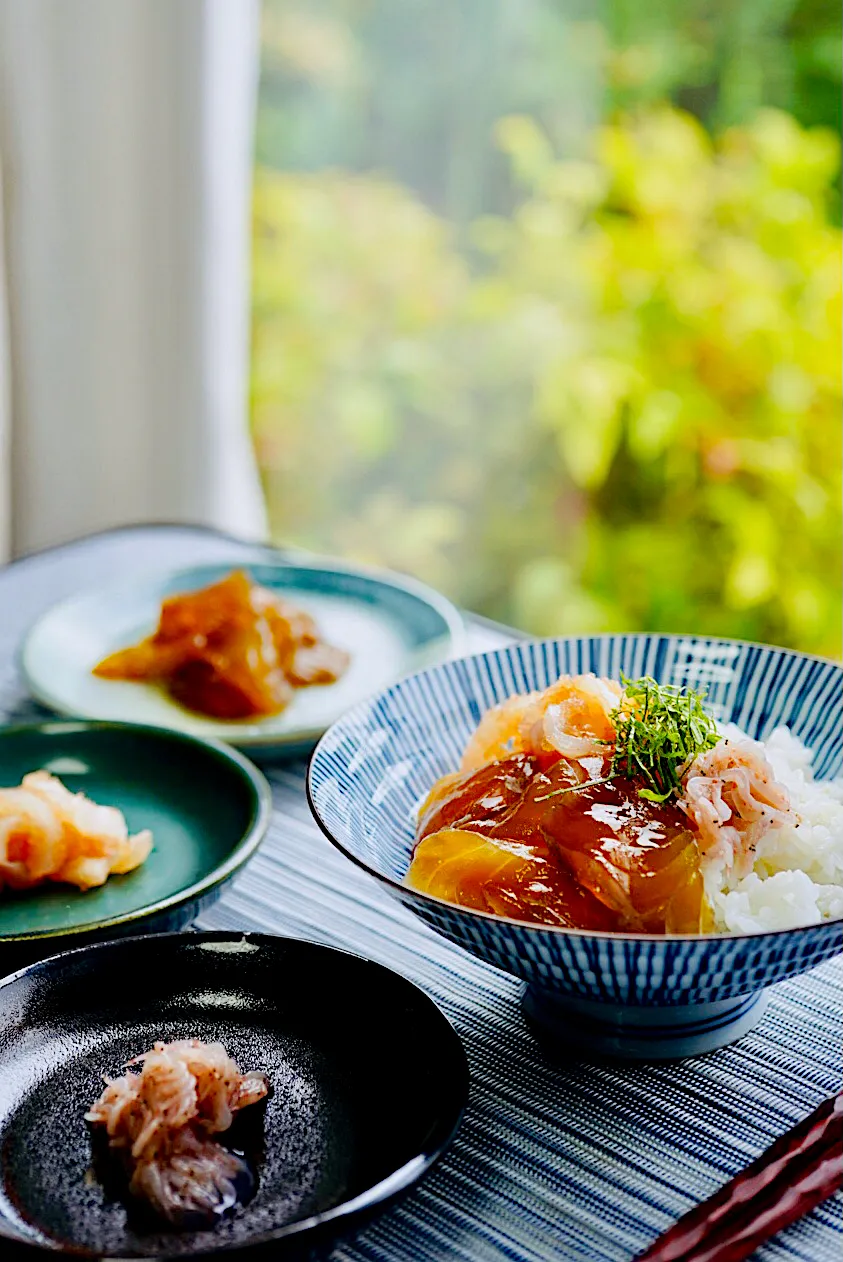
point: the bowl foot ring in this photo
(583, 1028)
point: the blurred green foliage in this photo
(600, 393)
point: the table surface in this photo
(554, 1159)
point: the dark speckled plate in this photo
(207, 806)
(369, 1083)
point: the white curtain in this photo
(126, 133)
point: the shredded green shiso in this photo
(659, 734)
(660, 729)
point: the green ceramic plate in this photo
(207, 806)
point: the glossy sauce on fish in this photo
(232, 650)
(532, 837)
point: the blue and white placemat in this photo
(555, 1160)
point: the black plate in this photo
(369, 1083)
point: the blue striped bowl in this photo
(637, 996)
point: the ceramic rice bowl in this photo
(619, 994)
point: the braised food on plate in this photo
(48, 833)
(232, 650)
(160, 1119)
(623, 806)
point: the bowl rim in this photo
(259, 821)
(406, 893)
(379, 1194)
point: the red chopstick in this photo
(788, 1180)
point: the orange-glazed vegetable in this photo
(532, 837)
(231, 650)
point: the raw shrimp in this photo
(48, 833)
(195, 1183)
(732, 796)
(161, 1115)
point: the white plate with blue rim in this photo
(390, 625)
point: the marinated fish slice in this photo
(550, 839)
(481, 799)
(231, 650)
(234, 686)
(643, 898)
(440, 792)
(639, 859)
(187, 623)
(505, 878)
(234, 657)
(139, 662)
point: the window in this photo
(547, 305)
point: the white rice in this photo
(798, 874)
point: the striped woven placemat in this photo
(554, 1160)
